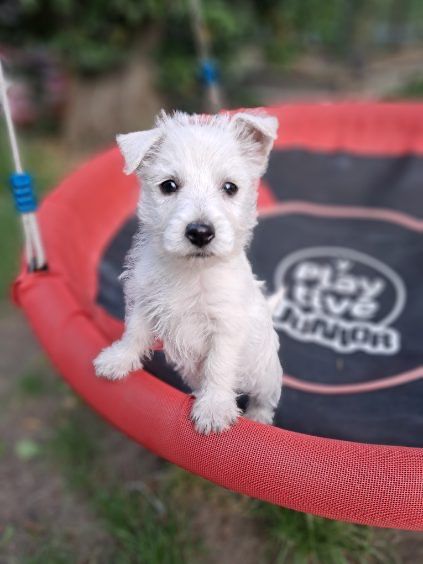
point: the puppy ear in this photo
(135, 147)
(257, 132)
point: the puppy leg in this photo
(264, 399)
(125, 355)
(215, 407)
(262, 408)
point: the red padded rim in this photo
(368, 484)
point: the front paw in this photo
(214, 412)
(116, 362)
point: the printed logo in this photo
(341, 299)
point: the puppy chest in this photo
(188, 338)
(188, 312)
(184, 328)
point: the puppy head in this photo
(199, 179)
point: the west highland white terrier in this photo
(188, 282)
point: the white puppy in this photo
(187, 281)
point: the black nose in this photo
(200, 234)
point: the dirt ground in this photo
(34, 502)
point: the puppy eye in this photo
(230, 188)
(168, 187)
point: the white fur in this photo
(209, 311)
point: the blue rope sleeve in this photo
(208, 72)
(23, 192)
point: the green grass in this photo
(9, 235)
(413, 90)
(298, 538)
(6, 535)
(32, 384)
(54, 551)
(74, 445)
(291, 537)
(145, 528)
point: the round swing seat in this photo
(340, 227)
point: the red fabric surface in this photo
(369, 484)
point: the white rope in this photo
(27, 238)
(9, 122)
(34, 249)
(40, 256)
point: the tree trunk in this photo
(121, 101)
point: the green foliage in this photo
(95, 36)
(298, 538)
(92, 36)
